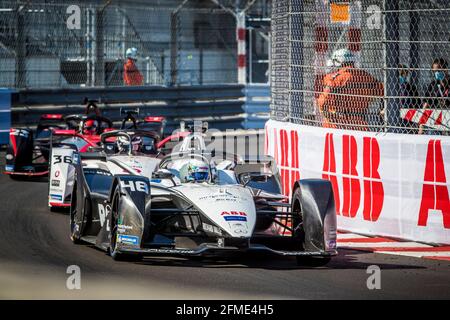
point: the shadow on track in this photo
(28, 179)
(346, 260)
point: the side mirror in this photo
(247, 177)
(162, 175)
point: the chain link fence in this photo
(72, 44)
(375, 65)
(206, 47)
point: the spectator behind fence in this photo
(344, 96)
(409, 100)
(437, 94)
(131, 74)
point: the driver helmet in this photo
(90, 127)
(123, 144)
(194, 171)
(136, 144)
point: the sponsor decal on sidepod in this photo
(126, 239)
(56, 197)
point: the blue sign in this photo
(5, 115)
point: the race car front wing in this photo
(216, 249)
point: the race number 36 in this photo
(59, 159)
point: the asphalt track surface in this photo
(35, 251)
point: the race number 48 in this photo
(133, 186)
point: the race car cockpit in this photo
(131, 142)
(189, 167)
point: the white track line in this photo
(374, 245)
(425, 252)
(418, 254)
(349, 236)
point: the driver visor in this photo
(200, 176)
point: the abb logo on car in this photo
(383, 184)
(234, 213)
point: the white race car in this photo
(193, 203)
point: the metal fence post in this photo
(414, 58)
(100, 52)
(241, 47)
(91, 45)
(173, 47)
(174, 22)
(21, 48)
(391, 22)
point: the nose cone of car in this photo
(231, 207)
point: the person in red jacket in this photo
(344, 96)
(131, 74)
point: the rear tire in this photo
(116, 255)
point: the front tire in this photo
(113, 252)
(299, 234)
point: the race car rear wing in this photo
(150, 119)
(52, 116)
(64, 132)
